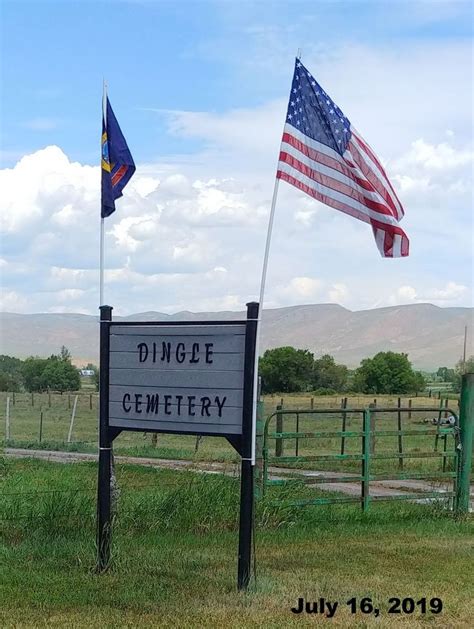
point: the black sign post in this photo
(183, 377)
(104, 522)
(247, 469)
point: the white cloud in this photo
(338, 293)
(437, 157)
(449, 295)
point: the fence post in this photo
(366, 460)
(312, 403)
(13, 398)
(7, 421)
(466, 428)
(372, 427)
(259, 451)
(49, 399)
(279, 428)
(41, 427)
(90, 401)
(438, 425)
(344, 415)
(32, 399)
(297, 446)
(73, 415)
(400, 439)
(409, 406)
(445, 437)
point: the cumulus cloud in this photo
(449, 295)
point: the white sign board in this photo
(177, 378)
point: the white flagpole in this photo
(102, 226)
(260, 310)
(259, 322)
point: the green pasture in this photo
(174, 554)
(47, 416)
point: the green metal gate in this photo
(454, 456)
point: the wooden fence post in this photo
(49, 399)
(400, 439)
(73, 415)
(41, 427)
(90, 401)
(297, 448)
(409, 406)
(32, 399)
(312, 403)
(13, 398)
(7, 421)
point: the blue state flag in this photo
(117, 162)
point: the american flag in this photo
(323, 155)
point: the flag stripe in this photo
(117, 176)
(375, 173)
(381, 230)
(338, 163)
(319, 176)
(324, 154)
(373, 157)
(338, 169)
(362, 209)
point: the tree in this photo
(329, 375)
(286, 370)
(96, 378)
(65, 354)
(60, 375)
(387, 372)
(461, 368)
(445, 374)
(56, 373)
(32, 372)
(10, 373)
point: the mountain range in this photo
(430, 335)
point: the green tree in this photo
(387, 372)
(445, 374)
(461, 368)
(96, 378)
(65, 354)
(60, 375)
(32, 371)
(11, 378)
(286, 370)
(56, 373)
(327, 374)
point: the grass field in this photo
(174, 555)
(50, 415)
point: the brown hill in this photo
(431, 336)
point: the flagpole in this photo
(102, 225)
(260, 313)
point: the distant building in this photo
(86, 372)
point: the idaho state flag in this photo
(117, 162)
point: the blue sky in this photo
(199, 89)
(176, 55)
